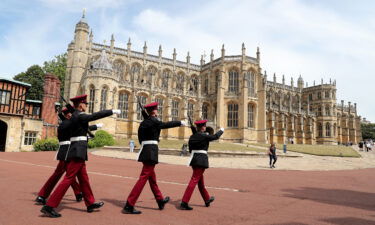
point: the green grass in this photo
(177, 144)
(320, 150)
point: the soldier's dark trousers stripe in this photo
(54, 178)
(196, 178)
(74, 168)
(147, 173)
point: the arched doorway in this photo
(3, 135)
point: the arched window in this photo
(160, 108)
(151, 71)
(194, 84)
(135, 72)
(233, 84)
(103, 98)
(180, 79)
(142, 99)
(190, 109)
(164, 79)
(319, 111)
(123, 104)
(92, 99)
(328, 110)
(250, 115)
(326, 94)
(320, 130)
(217, 74)
(328, 129)
(175, 111)
(119, 67)
(232, 115)
(251, 83)
(204, 111)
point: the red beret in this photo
(151, 106)
(200, 122)
(79, 99)
(65, 111)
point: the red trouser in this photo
(147, 173)
(197, 177)
(74, 168)
(55, 177)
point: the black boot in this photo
(49, 211)
(185, 206)
(128, 209)
(96, 205)
(79, 197)
(162, 202)
(208, 202)
(40, 200)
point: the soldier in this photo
(148, 136)
(75, 158)
(198, 147)
(63, 134)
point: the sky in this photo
(321, 39)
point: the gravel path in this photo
(304, 162)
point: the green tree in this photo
(368, 131)
(57, 67)
(34, 75)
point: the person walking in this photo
(198, 147)
(272, 154)
(131, 145)
(63, 135)
(75, 158)
(148, 136)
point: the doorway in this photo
(3, 135)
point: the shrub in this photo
(49, 144)
(101, 138)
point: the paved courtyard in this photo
(243, 196)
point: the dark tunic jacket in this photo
(149, 130)
(79, 126)
(201, 141)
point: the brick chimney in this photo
(51, 95)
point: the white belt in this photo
(64, 143)
(146, 143)
(192, 154)
(79, 138)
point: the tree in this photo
(368, 131)
(57, 67)
(34, 75)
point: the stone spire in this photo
(222, 51)
(274, 77)
(129, 44)
(212, 55)
(145, 48)
(300, 82)
(243, 49)
(174, 54)
(188, 58)
(283, 79)
(258, 55)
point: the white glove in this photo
(222, 129)
(99, 125)
(116, 111)
(183, 123)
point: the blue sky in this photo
(317, 39)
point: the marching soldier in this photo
(76, 157)
(63, 135)
(198, 147)
(148, 136)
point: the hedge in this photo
(49, 144)
(101, 138)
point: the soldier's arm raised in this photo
(95, 116)
(166, 125)
(215, 136)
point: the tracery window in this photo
(103, 98)
(232, 115)
(123, 104)
(91, 99)
(164, 79)
(251, 83)
(328, 129)
(175, 111)
(142, 99)
(233, 84)
(205, 111)
(320, 130)
(250, 115)
(160, 108)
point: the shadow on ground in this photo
(348, 198)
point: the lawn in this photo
(177, 144)
(320, 150)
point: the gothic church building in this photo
(230, 91)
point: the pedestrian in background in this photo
(272, 154)
(131, 145)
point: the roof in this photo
(15, 82)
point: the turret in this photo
(300, 82)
